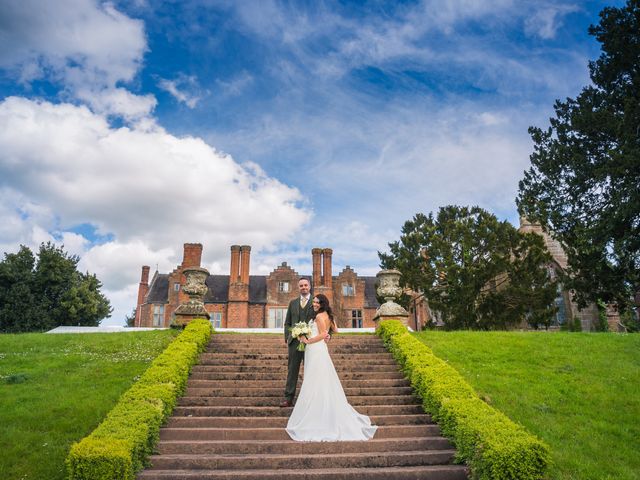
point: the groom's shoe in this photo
(286, 403)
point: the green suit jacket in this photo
(295, 314)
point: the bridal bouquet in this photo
(300, 329)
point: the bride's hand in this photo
(304, 340)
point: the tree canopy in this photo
(584, 179)
(42, 293)
(474, 270)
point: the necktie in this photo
(303, 302)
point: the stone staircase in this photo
(229, 425)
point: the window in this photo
(347, 290)
(276, 317)
(158, 315)
(561, 315)
(216, 319)
(356, 318)
(176, 287)
(283, 287)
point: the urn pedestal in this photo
(389, 289)
(196, 289)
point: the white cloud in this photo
(547, 19)
(118, 101)
(62, 166)
(236, 85)
(87, 46)
(182, 89)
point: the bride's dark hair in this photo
(326, 307)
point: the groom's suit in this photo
(295, 314)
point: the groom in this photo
(299, 310)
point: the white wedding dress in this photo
(322, 412)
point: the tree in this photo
(584, 179)
(16, 285)
(130, 320)
(476, 271)
(43, 294)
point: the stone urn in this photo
(389, 289)
(196, 288)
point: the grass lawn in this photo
(579, 392)
(55, 389)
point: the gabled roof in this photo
(257, 289)
(159, 289)
(218, 289)
(370, 300)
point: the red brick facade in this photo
(241, 300)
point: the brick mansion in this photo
(242, 300)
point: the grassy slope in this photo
(70, 381)
(579, 392)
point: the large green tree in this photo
(48, 291)
(474, 270)
(584, 180)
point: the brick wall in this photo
(284, 273)
(237, 314)
(257, 316)
(344, 304)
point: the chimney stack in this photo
(234, 274)
(245, 255)
(143, 289)
(327, 279)
(192, 255)
(317, 267)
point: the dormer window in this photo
(283, 287)
(348, 290)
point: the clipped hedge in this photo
(494, 447)
(121, 445)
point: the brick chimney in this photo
(245, 256)
(327, 279)
(238, 300)
(192, 255)
(317, 267)
(234, 273)
(143, 289)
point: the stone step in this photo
(282, 357)
(275, 461)
(388, 431)
(282, 367)
(279, 338)
(281, 422)
(356, 400)
(279, 381)
(342, 349)
(258, 411)
(348, 363)
(287, 447)
(281, 376)
(428, 472)
(275, 362)
(277, 391)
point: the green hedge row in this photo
(121, 445)
(494, 447)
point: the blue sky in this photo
(129, 128)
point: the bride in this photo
(322, 412)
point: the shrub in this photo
(494, 447)
(121, 445)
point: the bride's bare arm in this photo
(322, 321)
